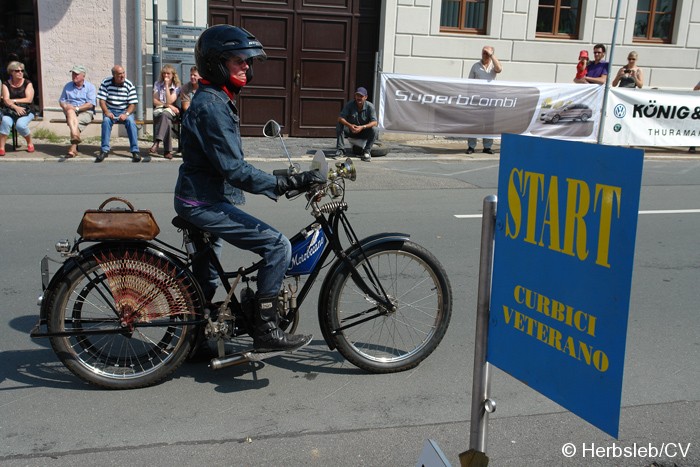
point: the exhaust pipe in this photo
(245, 357)
(235, 359)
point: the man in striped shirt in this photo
(117, 99)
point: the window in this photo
(558, 18)
(464, 16)
(654, 20)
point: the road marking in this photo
(672, 211)
(659, 211)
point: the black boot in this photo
(268, 337)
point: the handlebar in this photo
(291, 170)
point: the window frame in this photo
(648, 38)
(557, 7)
(464, 30)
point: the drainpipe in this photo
(139, 63)
(156, 43)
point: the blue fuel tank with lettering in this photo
(307, 248)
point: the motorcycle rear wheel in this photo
(399, 339)
(140, 298)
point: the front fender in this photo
(351, 253)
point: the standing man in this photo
(78, 101)
(597, 70)
(692, 149)
(117, 98)
(359, 120)
(487, 68)
(214, 175)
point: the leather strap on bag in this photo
(116, 198)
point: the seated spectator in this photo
(189, 88)
(17, 98)
(78, 101)
(358, 119)
(165, 94)
(117, 99)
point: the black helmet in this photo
(217, 43)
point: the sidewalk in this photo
(403, 147)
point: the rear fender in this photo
(351, 253)
(72, 262)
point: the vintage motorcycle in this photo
(124, 314)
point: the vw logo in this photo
(620, 111)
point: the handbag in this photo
(160, 110)
(12, 113)
(118, 223)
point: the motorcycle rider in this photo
(214, 175)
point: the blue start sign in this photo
(563, 256)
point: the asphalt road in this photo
(312, 408)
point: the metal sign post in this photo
(482, 405)
(177, 49)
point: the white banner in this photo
(641, 117)
(476, 108)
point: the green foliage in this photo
(46, 134)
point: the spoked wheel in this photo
(124, 309)
(382, 340)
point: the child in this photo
(581, 67)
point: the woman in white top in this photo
(165, 94)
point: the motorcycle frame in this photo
(331, 225)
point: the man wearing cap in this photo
(358, 119)
(581, 67)
(78, 101)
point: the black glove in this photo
(298, 182)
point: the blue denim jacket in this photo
(213, 167)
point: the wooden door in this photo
(311, 67)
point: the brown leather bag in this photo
(118, 224)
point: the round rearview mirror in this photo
(272, 129)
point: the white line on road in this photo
(671, 211)
(659, 211)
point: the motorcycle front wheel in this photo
(124, 309)
(381, 340)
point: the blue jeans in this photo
(22, 124)
(471, 142)
(368, 134)
(226, 221)
(131, 130)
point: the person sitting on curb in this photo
(117, 99)
(358, 119)
(78, 101)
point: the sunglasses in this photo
(21, 71)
